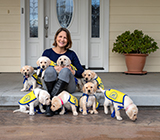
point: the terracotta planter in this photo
(135, 63)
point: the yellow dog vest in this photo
(115, 96)
(73, 100)
(28, 98)
(99, 81)
(97, 103)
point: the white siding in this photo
(130, 15)
(10, 58)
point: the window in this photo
(33, 20)
(64, 12)
(95, 19)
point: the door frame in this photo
(41, 20)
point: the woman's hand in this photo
(69, 67)
(59, 68)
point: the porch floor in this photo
(143, 89)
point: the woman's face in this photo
(61, 39)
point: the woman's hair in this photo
(69, 44)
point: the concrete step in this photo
(143, 90)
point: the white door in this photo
(90, 49)
(76, 26)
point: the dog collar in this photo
(128, 107)
(61, 100)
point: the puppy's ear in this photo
(95, 87)
(84, 89)
(69, 61)
(83, 74)
(21, 70)
(93, 74)
(38, 62)
(32, 69)
(58, 62)
(48, 61)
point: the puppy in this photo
(64, 100)
(88, 99)
(30, 78)
(65, 61)
(33, 99)
(43, 62)
(91, 76)
(118, 100)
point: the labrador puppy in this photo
(37, 97)
(118, 100)
(88, 100)
(64, 100)
(43, 62)
(30, 78)
(91, 76)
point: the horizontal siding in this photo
(130, 15)
(10, 37)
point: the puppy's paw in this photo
(43, 111)
(95, 112)
(75, 113)
(23, 89)
(91, 111)
(61, 113)
(84, 113)
(31, 113)
(119, 118)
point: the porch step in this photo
(143, 90)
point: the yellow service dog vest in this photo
(115, 96)
(99, 81)
(28, 98)
(97, 103)
(73, 100)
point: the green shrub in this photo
(135, 42)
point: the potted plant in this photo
(135, 46)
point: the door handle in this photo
(46, 25)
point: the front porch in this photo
(143, 89)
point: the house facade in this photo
(27, 27)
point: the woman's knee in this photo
(50, 74)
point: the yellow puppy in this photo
(88, 99)
(64, 100)
(118, 100)
(30, 78)
(91, 76)
(43, 62)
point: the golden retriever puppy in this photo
(30, 78)
(36, 97)
(64, 100)
(88, 100)
(43, 62)
(117, 101)
(63, 61)
(91, 76)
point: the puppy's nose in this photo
(89, 91)
(135, 120)
(86, 79)
(25, 73)
(61, 62)
(43, 66)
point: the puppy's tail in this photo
(101, 90)
(17, 110)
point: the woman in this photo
(66, 76)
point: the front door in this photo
(86, 21)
